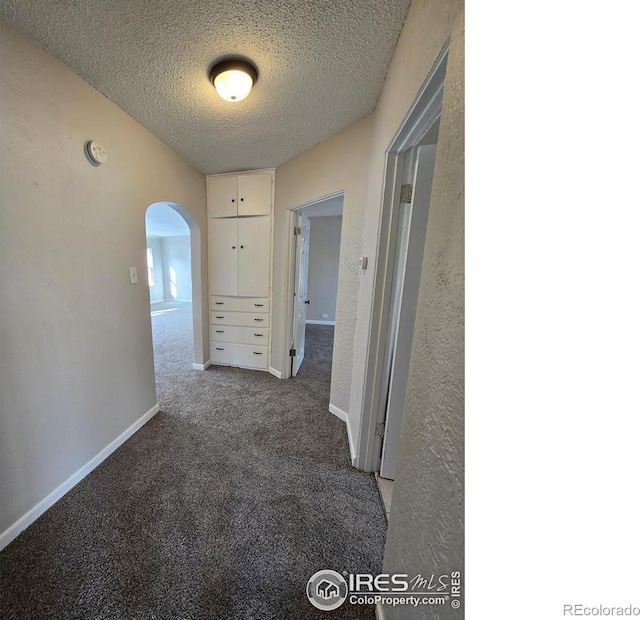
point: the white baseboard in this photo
(275, 373)
(344, 416)
(26, 520)
(202, 366)
(312, 322)
(166, 301)
(338, 413)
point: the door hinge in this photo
(406, 193)
(380, 429)
(292, 352)
(297, 230)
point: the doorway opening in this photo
(316, 229)
(172, 276)
(411, 159)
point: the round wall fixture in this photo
(95, 152)
(233, 79)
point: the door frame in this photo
(199, 288)
(292, 213)
(413, 219)
(423, 113)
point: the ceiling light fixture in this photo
(233, 79)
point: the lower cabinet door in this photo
(223, 256)
(254, 256)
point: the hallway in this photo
(222, 506)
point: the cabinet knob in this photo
(253, 319)
(233, 247)
(256, 353)
(241, 199)
(233, 200)
(219, 317)
(258, 335)
(242, 247)
(219, 348)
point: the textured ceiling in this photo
(321, 64)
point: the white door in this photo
(412, 229)
(254, 262)
(301, 290)
(222, 196)
(223, 256)
(254, 194)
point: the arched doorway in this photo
(175, 283)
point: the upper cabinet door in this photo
(254, 258)
(222, 196)
(254, 194)
(223, 256)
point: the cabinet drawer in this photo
(240, 335)
(240, 304)
(245, 319)
(252, 356)
(245, 355)
(222, 353)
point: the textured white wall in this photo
(340, 163)
(426, 526)
(324, 262)
(77, 361)
(176, 267)
(156, 292)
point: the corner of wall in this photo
(344, 416)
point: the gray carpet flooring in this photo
(221, 507)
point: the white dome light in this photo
(233, 79)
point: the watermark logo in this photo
(327, 590)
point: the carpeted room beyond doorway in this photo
(222, 506)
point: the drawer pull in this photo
(219, 348)
(259, 305)
(219, 317)
(258, 319)
(258, 335)
(219, 331)
(257, 353)
(219, 303)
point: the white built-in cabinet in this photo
(240, 209)
(239, 195)
(240, 250)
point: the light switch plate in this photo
(133, 275)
